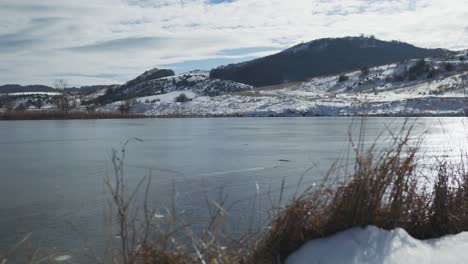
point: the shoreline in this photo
(12, 116)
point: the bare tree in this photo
(62, 101)
(60, 84)
(75, 103)
(125, 106)
(39, 103)
(91, 108)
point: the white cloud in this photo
(42, 39)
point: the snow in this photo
(375, 94)
(167, 97)
(372, 245)
(62, 258)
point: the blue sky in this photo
(237, 55)
(112, 41)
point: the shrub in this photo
(343, 78)
(124, 107)
(91, 108)
(109, 91)
(448, 67)
(399, 77)
(182, 98)
(364, 71)
(417, 69)
(432, 73)
(21, 108)
(62, 102)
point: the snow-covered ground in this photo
(372, 245)
(167, 97)
(378, 93)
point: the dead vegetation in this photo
(387, 189)
(60, 115)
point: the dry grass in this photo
(57, 115)
(387, 189)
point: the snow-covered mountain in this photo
(434, 86)
(320, 57)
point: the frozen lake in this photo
(52, 172)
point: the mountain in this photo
(320, 57)
(16, 88)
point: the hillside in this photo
(434, 86)
(195, 81)
(320, 57)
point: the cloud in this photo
(16, 42)
(244, 51)
(119, 45)
(97, 75)
(109, 40)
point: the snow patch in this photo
(372, 245)
(167, 97)
(62, 258)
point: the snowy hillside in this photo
(321, 57)
(377, 246)
(435, 86)
(196, 81)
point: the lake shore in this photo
(65, 116)
(5, 116)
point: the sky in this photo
(90, 42)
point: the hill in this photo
(197, 82)
(320, 57)
(16, 88)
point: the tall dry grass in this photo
(59, 115)
(388, 188)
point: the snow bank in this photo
(372, 245)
